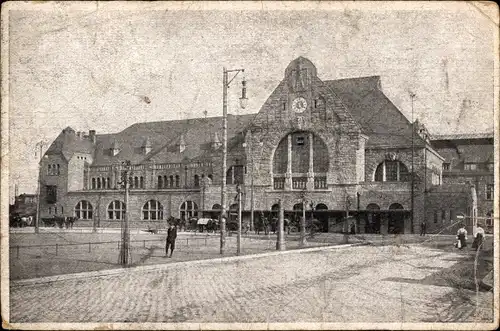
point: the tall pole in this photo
(251, 187)
(37, 220)
(124, 252)
(280, 244)
(303, 224)
(412, 95)
(224, 163)
(238, 237)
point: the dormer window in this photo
(446, 166)
(300, 141)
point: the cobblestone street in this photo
(353, 284)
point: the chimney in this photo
(92, 135)
(146, 146)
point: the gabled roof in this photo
(68, 143)
(379, 118)
(164, 138)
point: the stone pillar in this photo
(361, 223)
(288, 177)
(384, 223)
(310, 172)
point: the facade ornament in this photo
(391, 156)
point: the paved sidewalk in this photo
(329, 285)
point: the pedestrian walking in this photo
(478, 238)
(423, 228)
(171, 236)
(461, 237)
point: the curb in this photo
(165, 266)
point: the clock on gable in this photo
(299, 105)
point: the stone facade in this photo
(312, 140)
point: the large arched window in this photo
(306, 153)
(116, 210)
(152, 210)
(188, 209)
(234, 175)
(83, 210)
(392, 171)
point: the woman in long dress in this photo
(461, 237)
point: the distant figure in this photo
(423, 228)
(353, 228)
(461, 237)
(478, 238)
(171, 236)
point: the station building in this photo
(340, 146)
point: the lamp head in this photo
(243, 99)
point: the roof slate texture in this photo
(380, 120)
(68, 143)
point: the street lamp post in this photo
(125, 249)
(37, 220)
(243, 102)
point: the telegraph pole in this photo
(412, 96)
(37, 220)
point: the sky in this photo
(90, 66)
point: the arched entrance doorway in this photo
(396, 218)
(372, 224)
(321, 214)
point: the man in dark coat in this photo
(423, 228)
(171, 236)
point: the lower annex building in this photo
(340, 145)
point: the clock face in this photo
(299, 105)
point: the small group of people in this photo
(461, 242)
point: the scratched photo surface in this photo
(255, 165)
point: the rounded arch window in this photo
(152, 210)
(116, 210)
(188, 209)
(392, 171)
(395, 206)
(373, 207)
(298, 207)
(300, 144)
(321, 206)
(216, 207)
(84, 210)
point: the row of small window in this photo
(53, 169)
(174, 181)
(55, 210)
(105, 183)
(152, 210)
(81, 157)
(451, 216)
(469, 166)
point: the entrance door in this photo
(372, 219)
(396, 218)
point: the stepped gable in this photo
(164, 138)
(68, 143)
(379, 118)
